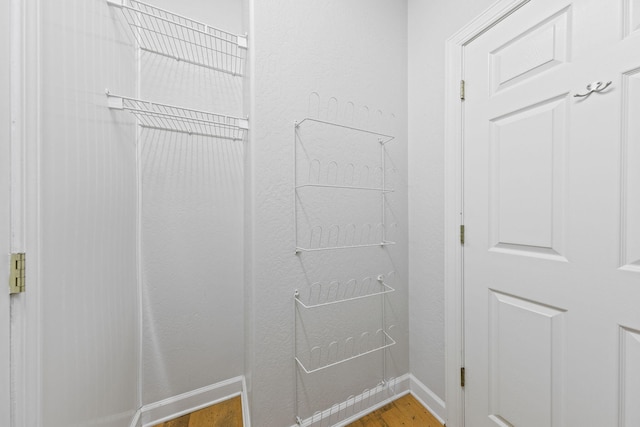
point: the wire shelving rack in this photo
(336, 293)
(323, 237)
(169, 34)
(155, 115)
(336, 352)
(339, 165)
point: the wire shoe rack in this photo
(336, 292)
(339, 412)
(314, 174)
(154, 115)
(174, 36)
(337, 353)
(341, 181)
(319, 295)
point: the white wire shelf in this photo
(381, 137)
(166, 33)
(344, 236)
(334, 156)
(347, 187)
(354, 404)
(336, 293)
(321, 359)
(331, 248)
(154, 115)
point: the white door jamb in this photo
(25, 220)
(453, 280)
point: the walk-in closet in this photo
(307, 212)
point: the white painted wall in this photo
(192, 191)
(430, 24)
(87, 220)
(343, 52)
(195, 323)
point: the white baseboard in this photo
(246, 416)
(342, 414)
(173, 407)
(137, 420)
(428, 399)
(339, 415)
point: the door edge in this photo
(453, 138)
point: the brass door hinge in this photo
(462, 234)
(16, 273)
(461, 377)
(462, 90)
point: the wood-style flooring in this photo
(223, 414)
(403, 412)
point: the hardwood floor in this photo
(223, 414)
(404, 412)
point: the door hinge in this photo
(461, 377)
(17, 273)
(462, 234)
(462, 90)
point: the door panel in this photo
(532, 52)
(551, 212)
(629, 377)
(631, 176)
(631, 17)
(525, 362)
(526, 179)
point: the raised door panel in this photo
(631, 17)
(526, 362)
(630, 233)
(629, 377)
(527, 180)
(537, 49)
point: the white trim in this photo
(5, 192)
(454, 72)
(246, 416)
(137, 419)
(428, 399)
(176, 406)
(343, 414)
(26, 363)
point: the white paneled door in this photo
(552, 217)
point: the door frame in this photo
(454, 172)
(5, 194)
(26, 81)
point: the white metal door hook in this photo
(593, 87)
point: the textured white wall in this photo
(195, 322)
(430, 24)
(87, 201)
(192, 224)
(315, 58)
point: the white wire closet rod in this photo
(387, 289)
(169, 34)
(321, 368)
(349, 187)
(330, 248)
(382, 138)
(154, 115)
